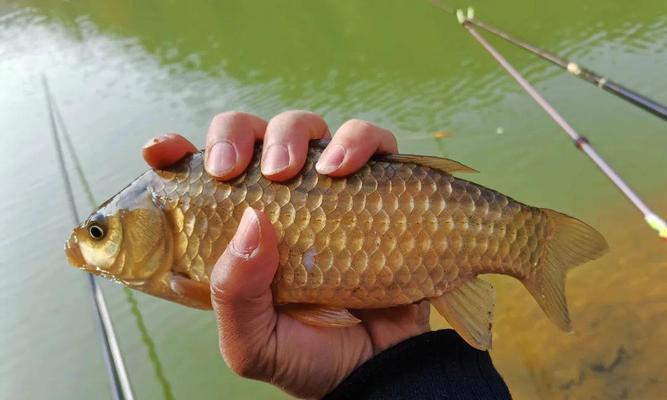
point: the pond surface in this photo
(122, 71)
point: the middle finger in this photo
(286, 143)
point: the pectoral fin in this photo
(469, 310)
(317, 315)
(198, 294)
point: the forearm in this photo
(433, 365)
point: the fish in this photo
(400, 230)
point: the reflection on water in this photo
(123, 71)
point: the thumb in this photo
(242, 300)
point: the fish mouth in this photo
(73, 252)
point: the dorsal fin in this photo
(441, 164)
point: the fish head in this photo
(127, 239)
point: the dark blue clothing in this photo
(435, 365)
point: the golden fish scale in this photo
(393, 233)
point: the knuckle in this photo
(220, 277)
(227, 120)
(226, 123)
(233, 115)
(219, 294)
(295, 120)
(217, 126)
(226, 292)
(390, 139)
(293, 114)
(358, 132)
(356, 124)
(227, 116)
(243, 365)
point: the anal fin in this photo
(318, 315)
(469, 310)
(197, 294)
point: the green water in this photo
(123, 71)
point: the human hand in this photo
(257, 340)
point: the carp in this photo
(400, 230)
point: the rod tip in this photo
(460, 16)
(658, 224)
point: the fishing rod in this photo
(651, 218)
(146, 338)
(120, 384)
(572, 67)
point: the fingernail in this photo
(221, 158)
(331, 159)
(275, 159)
(156, 140)
(247, 235)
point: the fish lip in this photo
(73, 252)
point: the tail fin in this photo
(572, 243)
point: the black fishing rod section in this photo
(577, 70)
(650, 217)
(573, 68)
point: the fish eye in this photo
(97, 227)
(96, 232)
